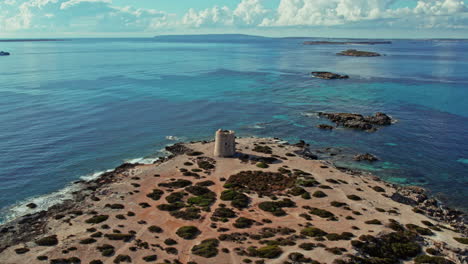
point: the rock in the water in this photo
(3, 53)
(366, 157)
(358, 53)
(358, 121)
(325, 127)
(329, 75)
(31, 205)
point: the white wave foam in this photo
(142, 160)
(173, 138)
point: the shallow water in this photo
(70, 109)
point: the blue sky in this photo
(322, 18)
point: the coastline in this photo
(28, 228)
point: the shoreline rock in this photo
(358, 53)
(325, 127)
(329, 75)
(365, 157)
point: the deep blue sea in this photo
(71, 109)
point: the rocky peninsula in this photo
(358, 53)
(273, 202)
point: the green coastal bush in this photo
(223, 212)
(180, 183)
(97, 219)
(194, 153)
(262, 165)
(189, 213)
(155, 229)
(389, 248)
(263, 149)
(188, 232)
(378, 189)
(122, 258)
(338, 204)
(119, 236)
(296, 191)
(150, 258)
(238, 199)
(207, 248)
(197, 190)
(272, 207)
(319, 194)
(155, 194)
(463, 240)
(206, 165)
(87, 241)
(425, 259)
(354, 197)
(206, 183)
(171, 207)
(106, 250)
(313, 232)
(21, 251)
(306, 196)
(269, 252)
(420, 230)
(321, 213)
(203, 200)
(243, 222)
(342, 236)
(47, 241)
(373, 222)
(175, 197)
(170, 242)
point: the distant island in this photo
(358, 53)
(31, 40)
(346, 42)
(219, 38)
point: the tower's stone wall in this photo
(225, 143)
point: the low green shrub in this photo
(313, 232)
(47, 241)
(207, 248)
(243, 222)
(188, 232)
(319, 194)
(97, 219)
(155, 194)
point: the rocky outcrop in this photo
(357, 121)
(329, 75)
(3, 53)
(365, 157)
(325, 127)
(423, 204)
(358, 53)
(178, 149)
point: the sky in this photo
(276, 18)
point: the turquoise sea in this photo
(72, 109)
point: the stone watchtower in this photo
(225, 143)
